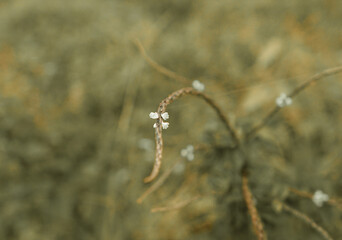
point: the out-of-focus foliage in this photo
(76, 140)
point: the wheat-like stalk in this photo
(253, 212)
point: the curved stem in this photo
(294, 93)
(158, 132)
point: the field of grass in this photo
(79, 78)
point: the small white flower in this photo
(198, 85)
(165, 115)
(188, 153)
(283, 100)
(319, 198)
(154, 115)
(165, 125)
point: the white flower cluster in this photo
(197, 85)
(165, 116)
(283, 100)
(188, 152)
(319, 198)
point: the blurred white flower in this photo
(121, 177)
(188, 153)
(179, 168)
(283, 100)
(154, 115)
(198, 85)
(319, 198)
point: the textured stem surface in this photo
(158, 130)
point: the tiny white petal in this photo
(190, 156)
(184, 152)
(188, 152)
(198, 85)
(165, 125)
(283, 100)
(279, 102)
(165, 115)
(319, 198)
(155, 125)
(190, 148)
(288, 101)
(154, 115)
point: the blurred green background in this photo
(76, 140)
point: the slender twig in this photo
(158, 183)
(253, 212)
(294, 93)
(158, 67)
(301, 193)
(158, 130)
(176, 206)
(306, 219)
(332, 201)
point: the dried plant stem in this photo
(253, 212)
(158, 183)
(295, 92)
(158, 130)
(158, 67)
(301, 193)
(176, 206)
(332, 201)
(306, 219)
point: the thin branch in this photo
(295, 92)
(253, 212)
(332, 201)
(301, 193)
(158, 183)
(158, 67)
(158, 130)
(306, 219)
(176, 206)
